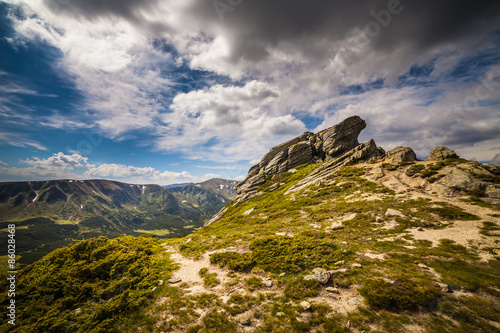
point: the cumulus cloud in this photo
(142, 175)
(283, 60)
(59, 161)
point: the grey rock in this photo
(337, 271)
(245, 320)
(267, 282)
(441, 153)
(336, 226)
(401, 154)
(321, 275)
(394, 212)
(331, 143)
(282, 275)
(309, 277)
(332, 290)
(356, 265)
(305, 305)
(174, 280)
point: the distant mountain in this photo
(55, 213)
(175, 185)
(209, 196)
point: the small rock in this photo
(336, 271)
(160, 283)
(337, 226)
(309, 277)
(441, 153)
(402, 154)
(338, 263)
(77, 311)
(304, 317)
(356, 265)
(305, 305)
(174, 280)
(268, 282)
(379, 219)
(393, 212)
(445, 288)
(282, 275)
(246, 320)
(389, 280)
(321, 275)
(154, 288)
(332, 290)
(420, 229)
(423, 266)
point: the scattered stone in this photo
(423, 266)
(337, 226)
(401, 154)
(332, 290)
(245, 320)
(420, 229)
(445, 288)
(174, 280)
(282, 275)
(248, 211)
(394, 212)
(379, 219)
(309, 277)
(336, 271)
(389, 280)
(356, 265)
(441, 153)
(77, 311)
(305, 305)
(338, 263)
(321, 275)
(304, 317)
(160, 283)
(268, 282)
(154, 288)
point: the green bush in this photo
(299, 288)
(100, 277)
(209, 279)
(233, 260)
(253, 283)
(294, 254)
(402, 295)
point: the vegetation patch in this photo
(209, 279)
(294, 254)
(233, 261)
(403, 294)
(299, 288)
(82, 288)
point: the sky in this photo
(157, 91)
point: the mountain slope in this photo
(55, 213)
(354, 239)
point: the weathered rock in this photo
(245, 319)
(394, 212)
(321, 275)
(305, 305)
(337, 271)
(282, 275)
(441, 153)
(268, 282)
(306, 148)
(174, 280)
(401, 154)
(423, 266)
(356, 265)
(337, 226)
(332, 290)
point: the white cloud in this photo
(19, 140)
(3, 163)
(59, 161)
(142, 175)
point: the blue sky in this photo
(147, 91)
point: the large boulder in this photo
(401, 154)
(441, 153)
(307, 148)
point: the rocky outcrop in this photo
(337, 142)
(401, 154)
(441, 153)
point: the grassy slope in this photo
(397, 292)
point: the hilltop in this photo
(326, 234)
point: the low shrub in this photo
(233, 261)
(299, 288)
(279, 254)
(404, 294)
(209, 279)
(253, 283)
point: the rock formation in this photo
(441, 153)
(337, 143)
(401, 154)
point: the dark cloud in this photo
(254, 26)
